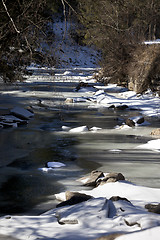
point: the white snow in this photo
(55, 164)
(79, 129)
(115, 150)
(94, 129)
(93, 218)
(68, 52)
(152, 233)
(51, 166)
(65, 128)
(157, 41)
(152, 144)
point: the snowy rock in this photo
(111, 177)
(61, 196)
(69, 195)
(21, 113)
(74, 198)
(85, 213)
(67, 73)
(12, 119)
(137, 119)
(79, 129)
(98, 177)
(55, 164)
(65, 128)
(50, 166)
(94, 129)
(100, 92)
(92, 179)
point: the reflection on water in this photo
(22, 185)
(22, 191)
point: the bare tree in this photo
(116, 28)
(24, 28)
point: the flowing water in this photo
(26, 189)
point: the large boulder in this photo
(73, 198)
(111, 177)
(91, 180)
(131, 122)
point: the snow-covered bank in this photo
(68, 53)
(148, 104)
(94, 218)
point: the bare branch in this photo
(10, 17)
(29, 47)
(71, 7)
(65, 18)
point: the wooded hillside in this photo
(116, 28)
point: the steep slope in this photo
(69, 53)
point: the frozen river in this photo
(25, 188)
